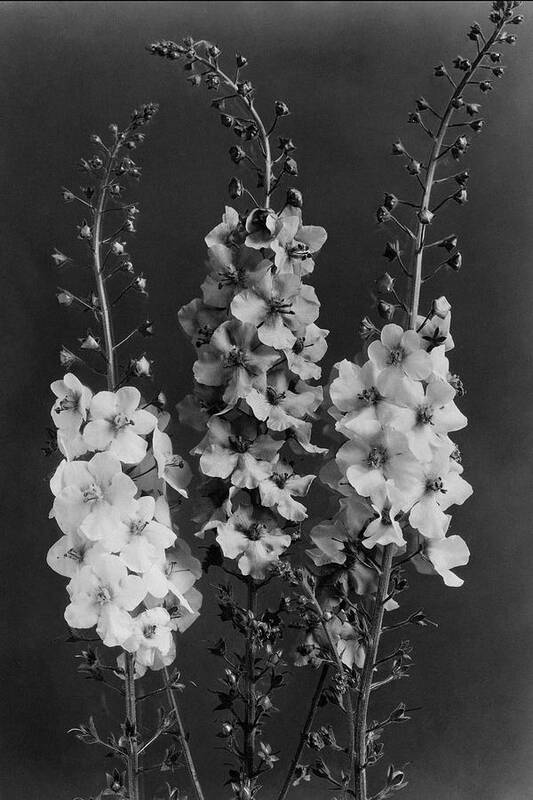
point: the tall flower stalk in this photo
(257, 347)
(398, 471)
(130, 576)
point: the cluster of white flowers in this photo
(258, 345)
(398, 472)
(130, 575)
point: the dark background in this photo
(350, 73)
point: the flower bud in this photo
(236, 154)
(67, 195)
(382, 214)
(464, 64)
(458, 103)
(440, 71)
(390, 201)
(244, 88)
(414, 118)
(462, 178)
(67, 359)
(495, 58)
(226, 729)
(294, 198)
(440, 307)
(385, 283)
(485, 86)
(392, 251)
(425, 216)
(84, 231)
(214, 51)
(146, 329)
(461, 197)
(367, 328)
(518, 20)
(65, 298)
(477, 125)
(449, 243)
(286, 144)
(472, 109)
(118, 248)
(240, 60)
(422, 104)
(226, 120)
(508, 38)
(59, 258)
(235, 188)
(90, 342)
(475, 32)
(290, 167)
(281, 109)
(498, 72)
(455, 262)
(386, 310)
(140, 284)
(141, 367)
(413, 167)
(398, 149)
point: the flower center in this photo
(235, 358)
(369, 396)
(298, 250)
(377, 457)
(278, 305)
(103, 595)
(149, 631)
(204, 335)
(68, 403)
(91, 493)
(396, 356)
(280, 479)
(137, 526)
(386, 517)
(435, 485)
(255, 532)
(274, 397)
(298, 345)
(424, 415)
(239, 444)
(121, 421)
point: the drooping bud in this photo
(455, 262)
(89, 342)
(236, 154)
(367, 328)
(461, 197)
(449, 243)
(140, 284)
(440, 307)
(240, 60)
(383, 214)
(422, 104)
(281, 108)
(413, 167)
(235, 188)
(146, 329)
(294, 198)
(84, 231)
(59, 258)
(290, 166)
(141, 367)
(226, 120)
(67, 195)
(392, 251)
(386, 310)
(390, 201)
(398, 149)
(65, 298)
(67, 358)
(385, 283)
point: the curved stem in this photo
(191, 769)
(416, 283)
(249, 105)
(303, 736)
(111, 376)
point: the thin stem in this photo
(430, 177)
(365, 688)
(303, 736)
(191, 769)
(250, 703)
(131, 715)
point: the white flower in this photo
(152, 638)
(333, 537)
(145, 539)
(388, 503)
(371, 461)
(398, 353)
(102, 594)
(256, 543)
(170, 467)
(309, 347)
(354, 392)
(277, 305)
(66, 556)
(226, 233)
(73, 399)
(435, 332)
(92, 495)
(237, 452)
(296, 243)
(278, 489)
(118, 425)
(279, 406)
(429, 415)
(439, 487)
(445, 555)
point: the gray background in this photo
(350, 72)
